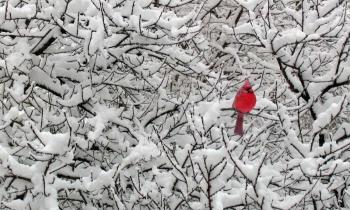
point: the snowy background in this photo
(126, 104)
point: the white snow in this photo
(325, 117)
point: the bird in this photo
(243, 103)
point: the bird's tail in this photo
(239, 124)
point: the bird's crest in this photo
(247, 85)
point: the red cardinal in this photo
(244, 102)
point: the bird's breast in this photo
(245, 102)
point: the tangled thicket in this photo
(126, 104)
